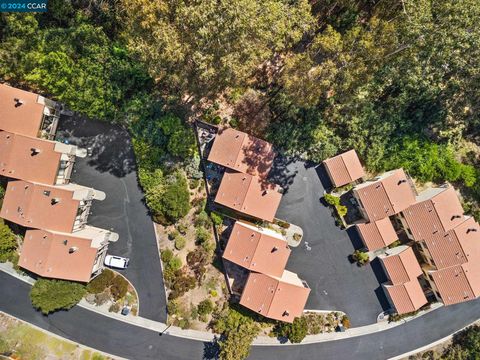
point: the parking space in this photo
(322, 259)
(110, 167)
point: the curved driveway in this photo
(132, 342)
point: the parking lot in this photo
(322, 259)
(110, 167)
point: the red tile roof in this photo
(407, 297)
(378, 234)
(388, 195)
(436, 211)
(239, 151)
(280, 299)
(402, 266)
(58, 255)
(458, 283)
(30, 159)
(249, 195)
(253, 249)
(23, 117)
(344, 168)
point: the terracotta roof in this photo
(436, 211)
(281, 299)
(61, 256)
(401, 265)
(31, 159)
(242, 152)
(255, 250)
(456, 246)
(46, 207)
(378, 234)
(249, 194)
(344, 168)
(458, 283)
(407, 297)
(24, 119)
(388, 195)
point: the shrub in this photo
(167, 255)
(173, 235)
(51, 295)
(295, 332)
(197, 260)
(203, 235)
(361, 257)
(115, 308)
(119, 287)
(332, 200)
(341, 210)
(175, 263)
(394, 244)
(202, 220)
(181, 284)
(8, 243)
(172, 307)
(216, 218)
(194, 313)
(101, 282)
(345, 322)
(101, 298)
(233, 123)
(182, 228)
(297, 237)
(283, 224)
(213, 293)
(193, 170)
(205, 307)
(184, 323)
(180, 242)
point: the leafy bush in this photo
(181, 284)
(172, 307)
(8, 243)
(194, 184)
(465, 345)
(205, 307)
(182, 228)
(341, 210)
(173, 235)
(193, 170)
(332, 199)
(119, 287)
(170, 202)
(202, 220)
(101, 282)
(115, 308)
(295, 332)
(166, 256)
(361, 257)
(216, 218)
(101, 298)
(180, 242)
(175, 263)
(51, 295)
(213, 293)
(203, 235)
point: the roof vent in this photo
(72, 249)
(265, 192)
(65, 242)
(402, 181)
(46, 192)
(472, 229)
(34, 151)
(456, 217)
(18, 102)
(274, 249)
(286, 313)
(54, 201)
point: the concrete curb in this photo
(83, 347)
(205, 336)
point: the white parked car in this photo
(117, 262)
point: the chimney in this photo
(34, 152)
(18, 102)
(72, 249)
(65, 242)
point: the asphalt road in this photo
(132, 342)
(322, 257)
(110, 167)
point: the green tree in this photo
(8, 243)
(51, 295)
(202, 48)
(295, 332)
(205, 307)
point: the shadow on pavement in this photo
(324, 178)
(280, 173)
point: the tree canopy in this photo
(52, 295)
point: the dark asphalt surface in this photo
(322, 257)
(129, 341)
(110, 167)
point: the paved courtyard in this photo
(110, 167)
(322, 259)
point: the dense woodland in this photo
(398, 80)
